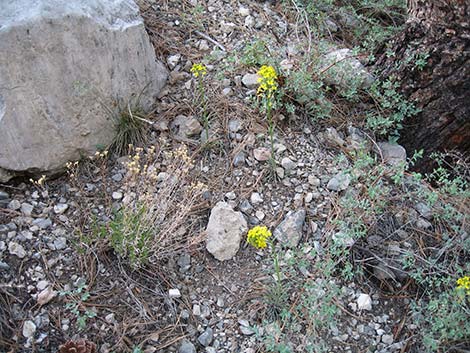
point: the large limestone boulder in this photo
(65, 66)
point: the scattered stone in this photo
(46, 295)
(60, 243)
(27, 209)
(344, 69)
(250, 80)
(260, 215)
(424, 210)
(117, 195)
(206, 337)
(313, 180)
(60, 208)
(29, 328)
(16, 249)
(235, 125)
(173, 60)
(393, 154)
(4, 195)
(245, 206)
(243, 11)
(364, 302)
(184, 262)
(387, 339)
(256, 198)
(339, 182)
(225, 230)
(239, 159)
(42, 223)
(187, 347)
(14, 205)
(289, 231)
(333, 138)
(174, 293)
(262, 154)
(288, 164)
(187, 126)
(230, 195)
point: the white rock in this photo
(393, 154)
(225, 231)
(256, 198)
(364, 302)
(174, 293)
(27, 209)
(244, 11)
(16, 249)
(117, 195)
(63, 55)
(60, 208)
(29, 328)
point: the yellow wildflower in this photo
(198, 70)
(267, 81)
(464, 284)
(257, 236)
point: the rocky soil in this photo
(202, 299)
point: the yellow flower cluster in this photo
(257, 236)
(198, 70)
(464, 283)
(267, 81)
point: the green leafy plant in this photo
(76, 299)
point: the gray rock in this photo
(225, 231)
(42, 223)
(250, 80)
(239, 159)
(393, 154)
(289, 231)
(60, 243)
(288, 164)
(206, 337)
(387, 339)
(27, 209)
(424, 210)
(14, 205)
(235, 125)
(245, 206)
(187, 125)
(339, 182)
(16, 249)
(184, 262)
(343, 69)
(29, 328)
(187, 347)
(332, 136)
(103, 48)
(4, 195)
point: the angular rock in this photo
(339, 182)
(364, 302)
(63, 66)
(225, 231)
(250, 80)
(262, 154)
(187, 347)
(343, 69)
(393, 154)
(206, 337)
(289, 231)
(16, 249)
(29, 328)
(187, 125)
(288, 164)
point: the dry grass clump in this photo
(158, 198)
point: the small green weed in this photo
(75, 305)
